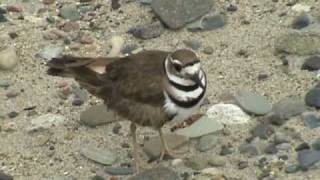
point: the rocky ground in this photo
(261, 120)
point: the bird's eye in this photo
(177, 67)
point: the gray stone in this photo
(249, 149)
(4, 176)
(4, 83)
(312, 63)
(46, 121)
(147, 31)
(50, 51)
(299, 43)
(225, 150)
(159, 173)
(312, 98)
(253, 103)
(292, 168)
(8, 58)
(153, 147)
(193, 44)
(202, 126)
(263, 131)
(284, 146)
(183, 11)
(243, 164)
(116, 171)
(301, 21)
(208, 50)
(281, 138)
(97, 115)
(229, 114)
(207, 23)
(271, 149)
(99, 155)
(196, 162)
(316, 144)
(148, 2)
(302, 146)
(307, 158)
(216, 161)
(70, 12)
(207, 142)
(311, 119)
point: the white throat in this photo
(176, 79)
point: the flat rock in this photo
(8, 58)
(307, 158)
(249, 149)
(253, 103)
(99, 155)
(299, 43)
(97, 115)
(316, 144)
(311, 119)
(4, 83)
(228, 114)
(70, 12)
(46, 121)
(216, 160)
(207, 142)
(147, 31)
(263, 131)
(204, 125)
(50, 51)
(183, 11)
(153, 147)
(196, 162)
(312, 63)
(116, 171)
(4, 176)
(312, 98)
(159, 173)
(207, 23)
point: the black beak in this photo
(197, 80)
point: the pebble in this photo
(97, 115)
(177, 162)
(70, 26)
(70, 12)
(208, 50)
(271, 149)
(225, 150)
(54, 34)
(207, 23)
(229, 114)
(182, 11)
(263, 131)
(316, 144)
(249, 149)
(312, 98)
(4, 176)
(9, 127)
(159, 173)
(45, 121)
(50, 51)
(204, 125)
(281, 138)
(253, 103)
(196, 162)
(292, 168)
(301, 8)
(302, 146)
(148, 2)
(312, 63)
(243, 164)
(311, 119)
(14, 8)
(128, 49)
(300, 22)
(12, 94)
(284, 146)
(153, 146)
(118, 171)
(207, 142)
(99, 155)
(232, 8)
(214, 173)
(97, 177)
(77, 101)
(86, 39)
(216, 160)
(307, 158)
(8, 58)
(4, 83)
(147, 31)
(193, 44)
(13, 114)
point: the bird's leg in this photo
(165, 149)
(136, 159)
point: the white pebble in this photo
(228, 114)
(301, 8)
(176, 162)
(8, 59)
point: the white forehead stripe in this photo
(192, 69)
(176, 61)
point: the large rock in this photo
(97, 115)
(253, 103)
(99, 155)
(159, 173)
(176, 13)
(307, 158)
(45, 122)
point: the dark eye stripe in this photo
(191, 63)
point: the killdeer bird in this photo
(149, 88)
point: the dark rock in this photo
(77, 101)
(159, 173)
(249, 149)
(118, 171)
(13, 114)
(271, 149)
(3, 18)
(116, 128)
(311, 119)
(280, 138)
(316, 144)
(232, 8)
(312, 98)
(147, 31)
(263, 131)
(292, 168)
(284, 146)
(283, 157)
(312, 63)
(127, 49)
(253, 103)
(307, 158)
(4, 176)
(207, 23)
(302, 146)
(183, 11)
(97, 177)
(262, 77)
(243, 164)
(115, 4)
(225, 150)
(300, 22)
(193, 44)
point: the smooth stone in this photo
(177, 162)
(312, 63)
(312, 98)
(99, 155)
(207, 23)
(193, 44)
(284, 146)
(97, 115)
(159, 173)
(311, 119)
(292, 168)
(70, 12)
(196, 162)
(147, 31)
(249, 149)
(214, 173)
(299, 43)
(300, 22)
(4, 176)
(204, 125)
(302, 146)
(243, 164)
(4, 83)
(229, 114)
(281, 138)
(316, 144)
(50, 51)
(263, 131)
(80, 93)
(148, 2)
(217, 161)
(208, 50)
(271, 149)
(46, 121)
(253, 103)
(153, 147)
(225, 150)
(8, 58)
(307, 158)
(97, 177)
(207, 142)
(183, 11)
(118, 171)
(300, 8)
